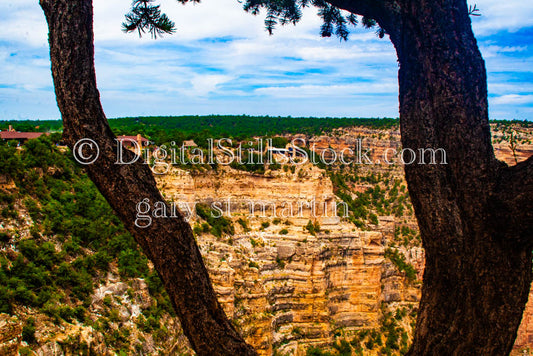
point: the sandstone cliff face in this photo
(301, 292)
(281, 194)
(289, 291)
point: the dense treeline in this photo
(246, 126)
(32, 125)
(166, 129)
(175, 128)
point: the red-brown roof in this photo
(13, 135)
(189, 143)
(134, 138)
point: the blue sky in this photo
(221, 61)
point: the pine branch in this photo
(147, 17)
(473, 10)
(335, 21)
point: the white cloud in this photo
(205, 84)
(23, 21)
(513, 99)
(497, 15)
(495, 51)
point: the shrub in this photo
(244, 224)
(197, 230)
(343, 348)
(373, 219)
(4, 237)
(28, 331)
(132, 264)
(205, 227)
(398, 260)
(312, 228)
(315, 351)
(219, 225)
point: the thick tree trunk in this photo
(168, 243)
(475, 213)
(478, 267)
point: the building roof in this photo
(189, 143)
(13, 135)
(134, 138)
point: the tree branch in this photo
(385, 12)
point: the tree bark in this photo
(478, 271)
(168, 243)
(475, 214)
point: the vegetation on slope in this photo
(74, 240)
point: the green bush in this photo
(343, 348)
(4, 237)
(315, 351)
(218, 225)
(197, 229)
(28, 331)
(244, 224)
(398, 260)
(131, 263)
(312, 228)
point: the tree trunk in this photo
(478, 265)
(475, 214)
(168, 243)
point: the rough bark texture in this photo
(478, 273)
(475, 214)
(168, 243)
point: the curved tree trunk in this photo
(168, 243)
(478, 271)
(475, 213)
(478, 274)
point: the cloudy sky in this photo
(221, 61)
